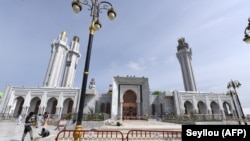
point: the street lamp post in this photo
(236, 84)
(237, 113)
(246, 32)
(95, 8)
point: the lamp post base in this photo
(77, 133)
(245, 121)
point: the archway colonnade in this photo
(212, 108)
(52, 107)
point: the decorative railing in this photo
(194, 117)
(90, 135)
(112, 135)
(87, 117)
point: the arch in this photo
(51, 105)
(67, 106)
(215, 107)
(129, 104)
(129, 97)
(34, 105)
(227, 109)
(19, 106)
(189, 108)
(202, 108)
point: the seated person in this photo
(44, 133)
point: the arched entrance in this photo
(202, 107)
(129, 105)
(34, 105)
(227, 110)
(215, 108)
(189, 108)
(51, 106)
(67, 106)
(19, 106)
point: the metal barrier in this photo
(112, 135)
(61, 124)
(90, 135)
(150, 135)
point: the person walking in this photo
(27, 126)
(39, 121)
(46, 119)
(19, 120)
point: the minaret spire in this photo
(71, 63)
(59, 48)
(184, 56)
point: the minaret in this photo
(59, 49)
(184, 56)
(71, 63)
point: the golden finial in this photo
(63, 33)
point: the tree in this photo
(1, 94)
(157, 92)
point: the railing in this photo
(87, 117)
(112, 135)
(134, 118)
(90, 135)
(150, 135)
(4, 116)
(194, 117)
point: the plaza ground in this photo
(11, 131)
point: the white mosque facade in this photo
(129, 96)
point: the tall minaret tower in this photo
(71, 63)
(59, 49)
(184, 56)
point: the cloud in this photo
(136, 66)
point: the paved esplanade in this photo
(143, 125)
(11, 131)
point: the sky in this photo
(141, 41)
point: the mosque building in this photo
(129, 96)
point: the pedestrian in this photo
(19, 120)
(27, 126)
(39, 121)
(46, 119)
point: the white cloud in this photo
(136, 66)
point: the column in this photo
(208, 106)
(58, 112)
(138, 110)
(195, 105)
(120, 115)
(221, 108)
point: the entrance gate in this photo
(129, 105)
